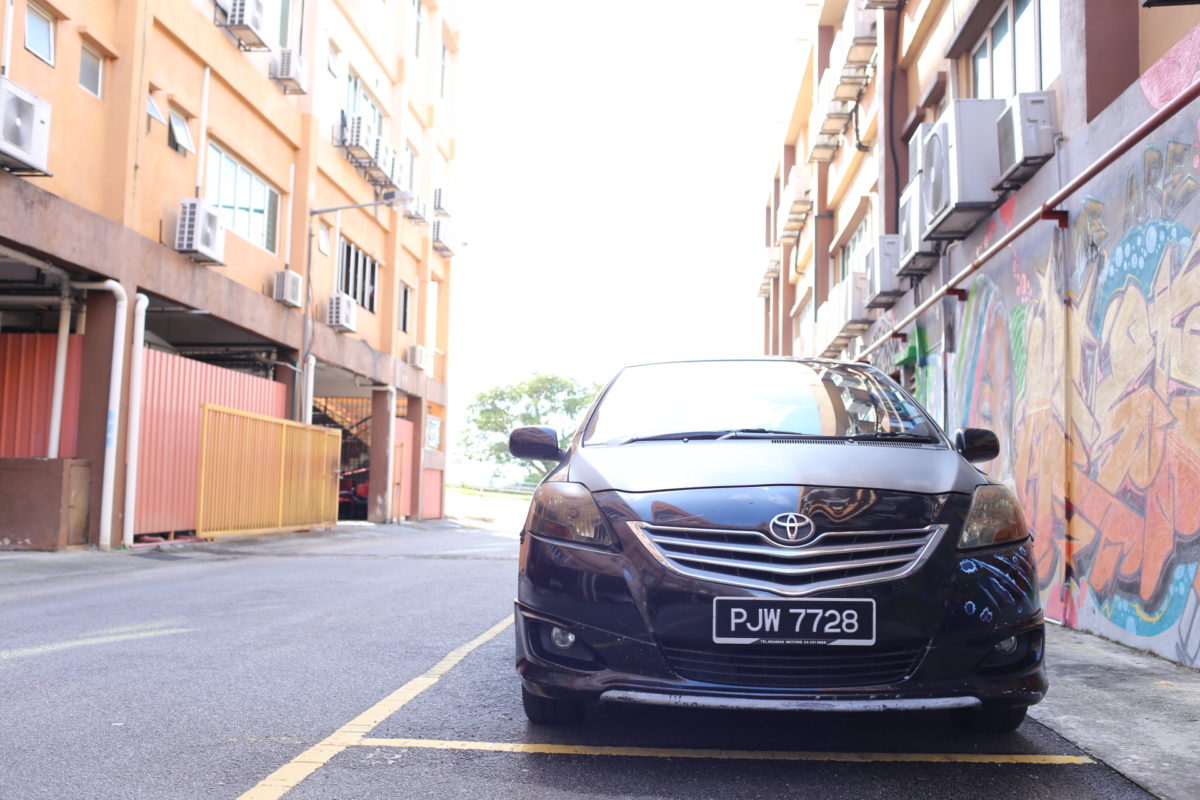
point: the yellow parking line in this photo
(751, 755)
(286, 778)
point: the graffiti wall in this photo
(1081, 348)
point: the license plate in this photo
(825, 621)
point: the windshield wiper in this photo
(904, 436)
(752, 433)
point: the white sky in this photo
(613, 160)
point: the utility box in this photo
(44, 502)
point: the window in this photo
(153, 111)
(358, 101)
(91, 70)
(323, 238)
(331, 60)
(850, 254)
(410, 167)
(445, 67)
(179, 137)
(249, 206)
(418, 12)
(404, 318)
(39, 33)
(1019, 52)
(358, 274)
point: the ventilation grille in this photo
(748, 558)
(781, 667)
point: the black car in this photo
(773, 534)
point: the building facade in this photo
(261, 191)
(951, 206)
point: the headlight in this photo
(564, 510)
(994, 518)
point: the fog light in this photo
(563, 639)
(1006, 647)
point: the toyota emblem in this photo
(791, 528)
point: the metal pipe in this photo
(60, 375)
(114, 406)
(30, 299)
(1152, 123)
(202, 140)
(133, 435)
(310, 373)
(8, 32)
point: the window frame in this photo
(33, 9)
(180, 144)
(1008, 10)
(219, 157)
(86, 50)
(404, 308)
(358, 274)
(153, 111)
(418, 13)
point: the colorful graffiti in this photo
(1082, 348)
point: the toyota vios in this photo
(773, 534)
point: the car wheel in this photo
(992, 719)
(548, 711)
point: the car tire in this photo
(548, 711)
(992, 719)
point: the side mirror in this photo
(538, 442)
(976, 444)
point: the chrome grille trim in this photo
(749, 559)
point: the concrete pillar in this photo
(383, 447)
(416, 415)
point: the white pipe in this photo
(8, 26)
(133, 435)
(310, 374)
(202, 142)
(60, 376)
(114, 406)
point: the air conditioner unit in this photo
(443, 240)
(440, 206)
(915, 144)
(917, 254)
(288, 287)
(960, 167)
(24, 129)
(1025, 131)
(857, 39)
(379, 164)
(198, 232)
(246, 22)
(288, 69)
(416, 210)
(343, 313)
(418, 356)
(882, 264)
(359, 137)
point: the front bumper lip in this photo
(789, 704)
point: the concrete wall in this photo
(1081, 349)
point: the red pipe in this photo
(1048, 209)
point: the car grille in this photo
(791, 668)
(833, 560)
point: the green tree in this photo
(541, 400)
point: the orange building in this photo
(261, 192)
(997, 202)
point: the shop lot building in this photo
(923, 132)
(262, 193)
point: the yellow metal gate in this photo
(260, 474)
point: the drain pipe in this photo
(310, 374)
(60, 374)
(114, 406)
(133, 435)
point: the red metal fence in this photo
(26, 384)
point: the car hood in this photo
(665, 466)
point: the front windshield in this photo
(795, 397)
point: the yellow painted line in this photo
(24, 652)
(749, 755)
(287, 777)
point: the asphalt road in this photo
(377, 663)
